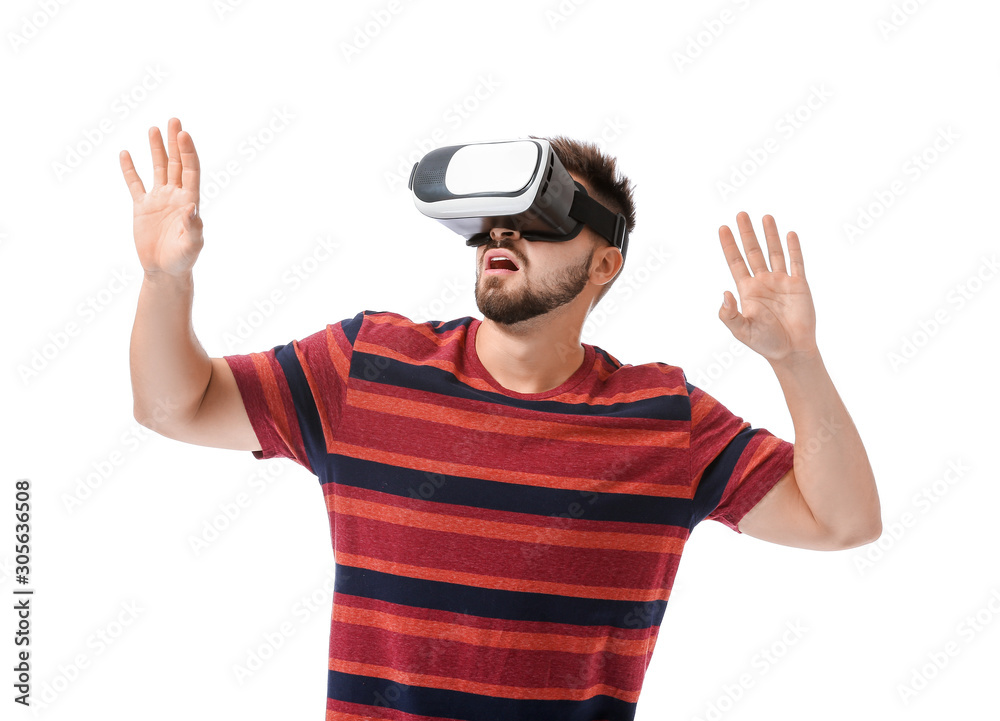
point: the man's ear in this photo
(608, 260)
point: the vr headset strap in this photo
(609, 225)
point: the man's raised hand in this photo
(166, 224)
(778, 319)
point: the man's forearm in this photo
(170, 370)
(831, 466)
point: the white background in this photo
(679, 93)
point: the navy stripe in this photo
(424, 701)
(305, 407)
(398, 374)
(608, 359)
(496, 495)
(716, 476)
(352, 326)
(496, 603)
(446, 326)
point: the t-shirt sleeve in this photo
(294, 393)
(733, 465)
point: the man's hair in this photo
(607, 185)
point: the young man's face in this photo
(548, 275)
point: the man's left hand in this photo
(778, 319)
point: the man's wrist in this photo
(807, 361)
(162, 278)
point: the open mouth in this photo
(500, 264)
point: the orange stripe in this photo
(685, 490)
(605, 540)
(439, 338)
(480, 580)
(440, 630)
(549, 430)
(341, 716)
(337, 357)
(764, 452)
(702, 407)
(273, 396)
(485, 689)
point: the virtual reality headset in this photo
(516, 184)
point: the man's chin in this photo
(507, 316)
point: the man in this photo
(507, 505)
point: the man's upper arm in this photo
(782, 516)
(221, 420)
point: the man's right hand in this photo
(167, 238)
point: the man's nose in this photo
(500, 233)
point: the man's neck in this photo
(531, 357)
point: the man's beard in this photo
(508, 306)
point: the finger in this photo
(190, 163)
(733, 257)
(135, 187)
(159, 157)
(774, 250)
(730, 315)
(795, 255)
(754, 254)
(174, 162)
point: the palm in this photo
(778, 319)
(162, 240)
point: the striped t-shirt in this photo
(498, 555)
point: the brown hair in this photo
(605, 182)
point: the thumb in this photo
(730, 315)
(190, 216)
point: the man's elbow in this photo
(861, 537)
